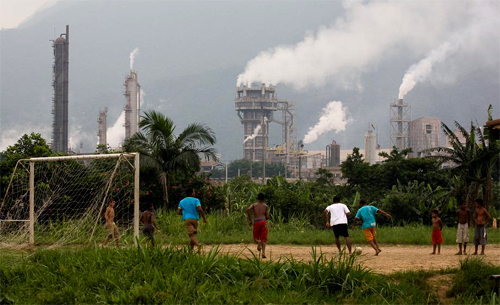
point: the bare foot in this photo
(376, 253)
(458, 253)
(433, 253)
(263, 256)
(482, 253)
(475, 253)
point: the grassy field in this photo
(179, 276)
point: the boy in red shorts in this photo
(260, 216)
(437, 237)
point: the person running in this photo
(110, 226)
(189, 208)
(463, 228)
(481, 218)
(367, 215)
(437, 236)
(148, 219)
(338, 221)
(260, 216)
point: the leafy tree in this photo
(168, 153)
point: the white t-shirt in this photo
(337, 213)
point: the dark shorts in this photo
(480, 236)
(148, 231)
(340, 230)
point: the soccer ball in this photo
(358, 250)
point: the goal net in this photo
(62, 200)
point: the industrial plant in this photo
(60, 81)
(132, 104)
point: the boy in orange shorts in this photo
(260, 215)
(367, 214)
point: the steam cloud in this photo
(255, 133)
(116, 133)
(333, 117)
(370, 32)
(132, 57)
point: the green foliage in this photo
(173, 276)
(472, 282)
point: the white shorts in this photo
(463, 233)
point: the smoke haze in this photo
(333, 117)
(369, 33)
(132, 57)
(255, 133)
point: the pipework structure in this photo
(60, 82)
(102, 124)
(332, 155)
(255, 106)
(400, 114)
(132, 104)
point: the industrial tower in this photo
(60, 99)
(102, 121)
(132, 104)
(370, 147)
(255, 106)
(400, 121)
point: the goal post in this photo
(61, 200)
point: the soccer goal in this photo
(62, 200)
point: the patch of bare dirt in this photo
(392, 258)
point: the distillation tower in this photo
(132, 104)
(60, 99)
(102, 121)
(400, 122)
(370, 147)
(255, 106)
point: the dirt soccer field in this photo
(392, 258)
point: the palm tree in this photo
(473, 160)
(168, 153)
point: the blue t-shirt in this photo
(188, 206)
(367, 215)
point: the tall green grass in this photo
(170, 275)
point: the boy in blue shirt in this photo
(367, 214)
(189, 208)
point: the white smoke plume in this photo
(132, 57)
(255, 133)
(370, 32)
(116, 133)
(333, 117)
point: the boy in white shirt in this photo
(338, 221)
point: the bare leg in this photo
(374, 246)
(263, 249)
(465, 246)
(475, 252)
(459, 249)
(337, 242)
(106, 241)
(482, 249)
(193, 241)
(348, 242)
(433, 249)
(439, 249)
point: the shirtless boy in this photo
(260, 216)
(481, 218)
(463, 228)
(437, 236)
(148, 219)
(111, 227)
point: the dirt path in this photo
(392, 258)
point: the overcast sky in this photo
(12, 12)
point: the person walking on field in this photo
(338, 221)
(148, 219)
(463, 228)
(260, 216)
(481, 218)
(367, 215)
(110, 226)
(189, 208)
(437, 236)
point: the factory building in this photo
(332, 155)
(132, 104)
(400, 116)
(424, 133)
(60, 99)
(255, 107)
(102, 125)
